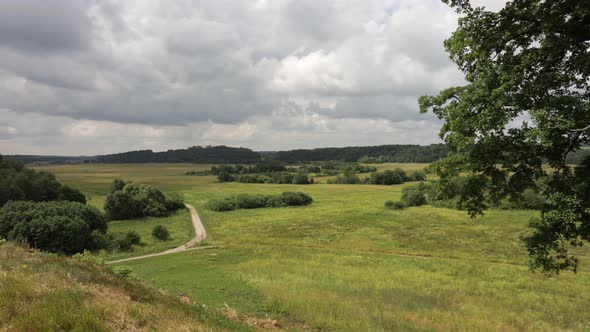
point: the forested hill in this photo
(196, 154)
(369, 154)
(29, 159)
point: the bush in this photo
(59, 226)
(174, 201)
(275, 201)
(250, 201)
(87, 256)
(398, 205)
(133, 237)
(224, 177)
(139, 200)
(122, 241)
(348, 177)
(226, 204)
(389, 177)
(301, 178)
(413, 198)
(160, 233)
(117, 184)
(296, 198)
(416, 176)
(124, 271)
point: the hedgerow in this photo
(253, 201)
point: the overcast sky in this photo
(92, 77)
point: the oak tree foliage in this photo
(526, 102)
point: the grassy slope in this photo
(41, 292)
(345, 263)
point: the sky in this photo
(87, 77)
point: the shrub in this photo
(296, 198)
(348, 177)
(66, 193)
(133, 237)
(413, 198)
(389, 177)
(275, 201)
(160, 233)
(122, 242)
(224, 177)
(59, 226)
(87, 256)
(124, 271)
(174, 201)
(398, 205)
(416, 176)
(226, 204)
(301, 178)
(532, 200)
(117, 184)
(249, 201)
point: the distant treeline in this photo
(196, 154)
(29, 159)
(367, 154)
(228, 155)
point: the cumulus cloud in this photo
(89, 76)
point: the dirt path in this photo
(200, 235)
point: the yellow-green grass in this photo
(347, 263)
(44, 292)
(95, 179)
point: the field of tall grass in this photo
(346, 263)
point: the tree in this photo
(526, 102)
(58, 226)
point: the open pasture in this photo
(345, 263)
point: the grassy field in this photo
(181, 231)
(346, 263)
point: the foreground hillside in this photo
(43, 292)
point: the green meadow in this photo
(345, 263)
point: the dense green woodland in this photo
(370, 154)
(196, 154)
(19, 183)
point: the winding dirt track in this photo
(200, 235)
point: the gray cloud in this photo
(265, 74)
(44, 26)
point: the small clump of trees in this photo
(58, 226)
(388, 177)
(128, 200)
(18, 183)
(253, 201)
(452, 195)
(276, 178)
